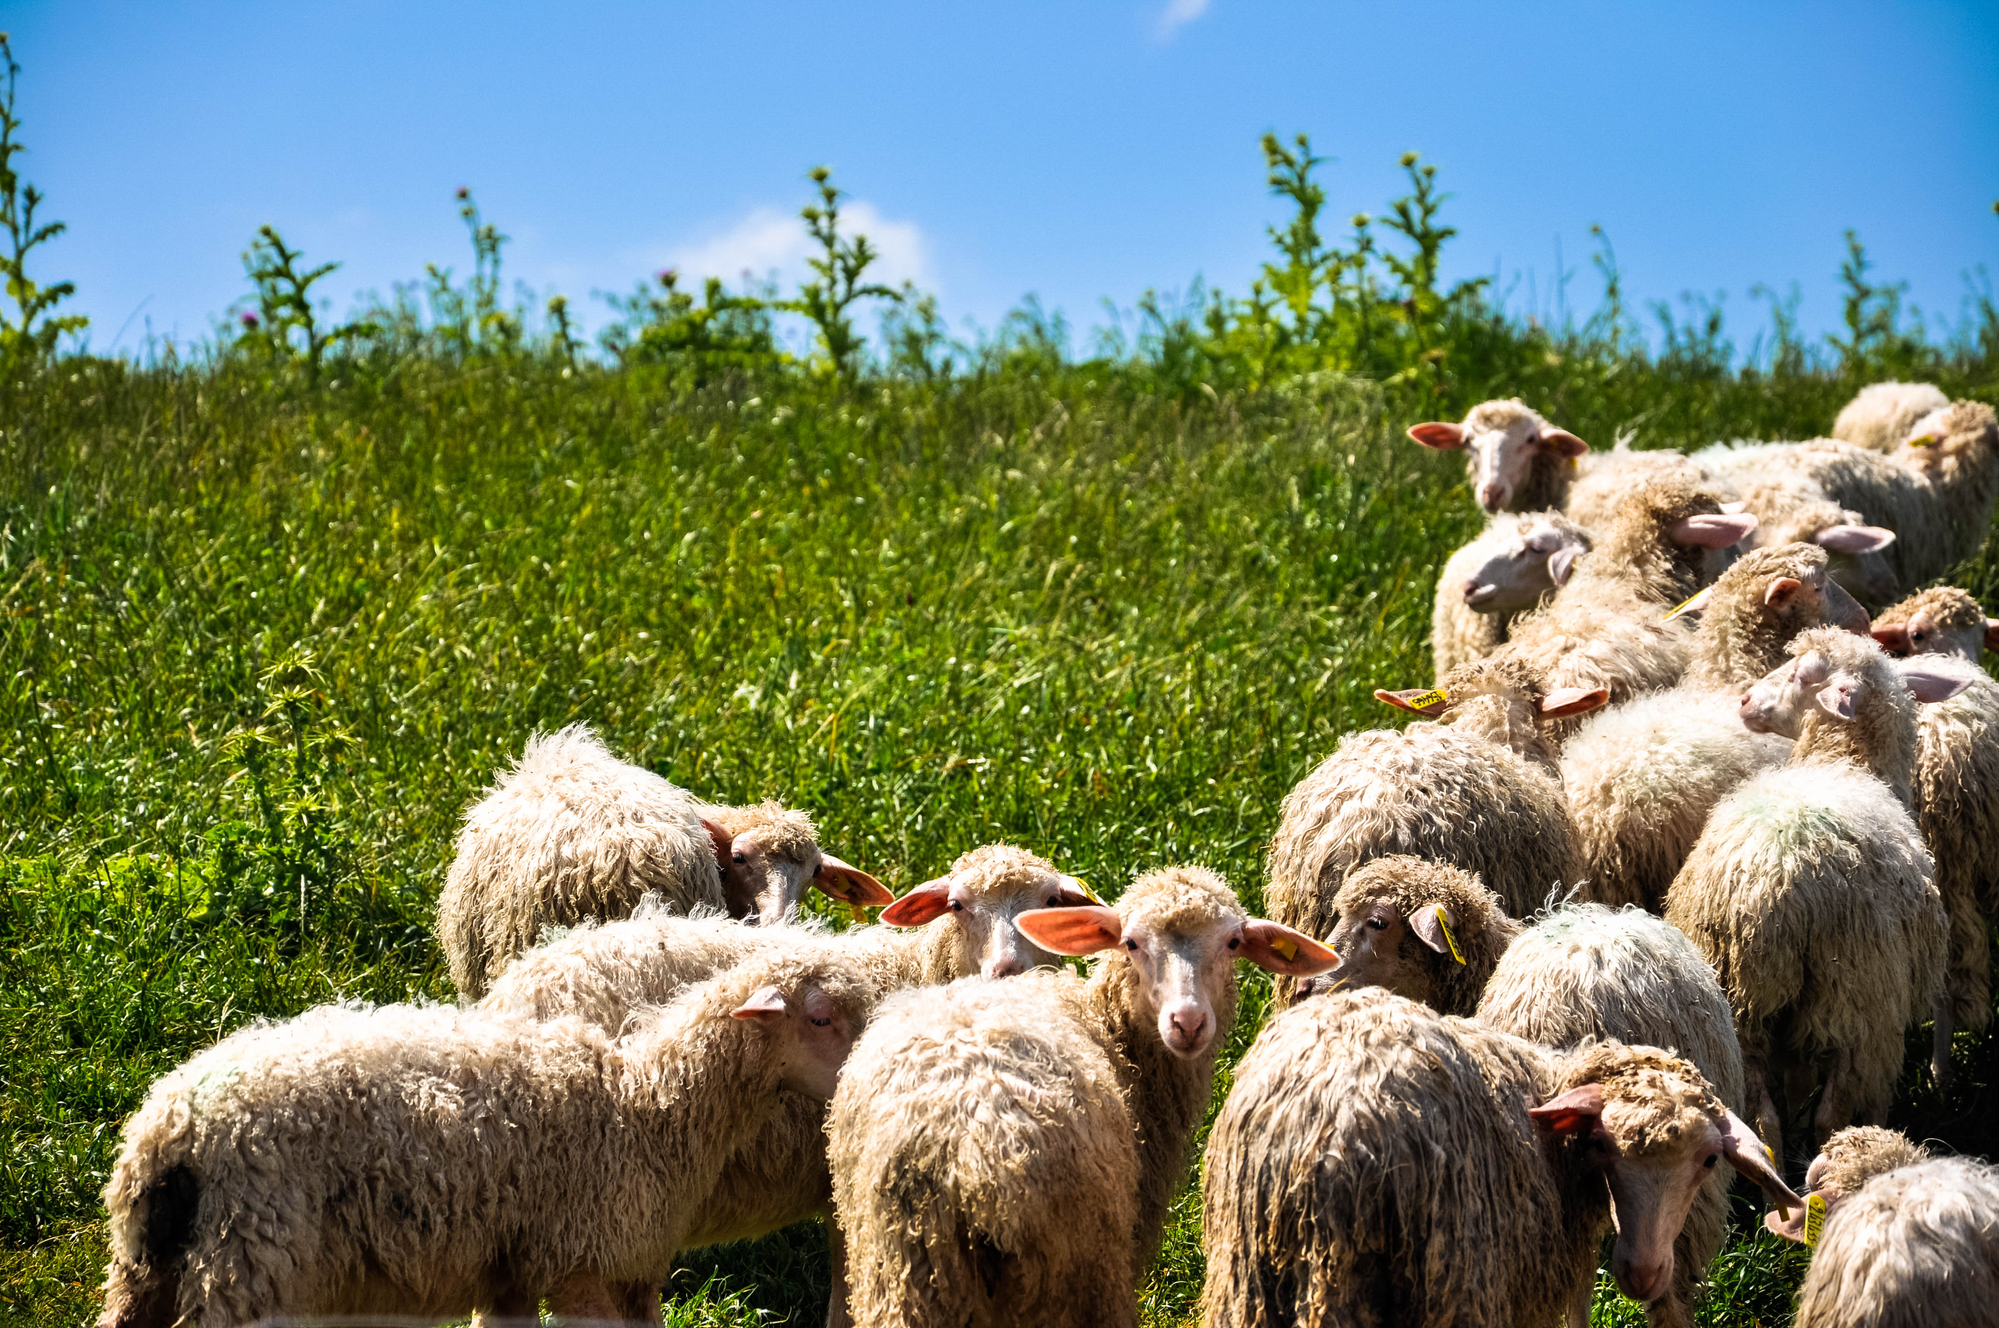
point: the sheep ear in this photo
(1574, 1112)
(1836, 699)
(767, 1003)
(1713, 530)
(1854, 539)
(1416, 700)
(1072, 931)
(1780, 590)
(849, 884)
(1692, 604)
(925, 903)
(1563, 443)
(1745, 1152)
(1443, 437)
(1892, 637)
(1929, 687)
(1562, 564)
(1278, 949)
(1566, 701)
(1432, 926)
(719, 840)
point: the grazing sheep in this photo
(1917, 1247)
(1851, 1158)
(1585, 973)
(1605, 627)
(1811, 891)
(1881, 415)
(1514, 564)
(1005, 1152)
(1378, 1163)
(959, 925)
(1475, 789)
(1641, 778)
(432, 1161)
(1421, 929)
(574, 833)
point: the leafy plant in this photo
(284, 306)
(839, 268)
(470, 318)
(663, 326)
(21, 337)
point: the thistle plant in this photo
(21, 337)
(284, 305)
(839, 268)
(468, 318)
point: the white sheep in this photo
(1006, 1152)
(1917, 1247)
(572, 833)
(1851, 1157)
(428, 1162)
(1373, 1153)
(1512, 566)
(1424, 930)
(1881, 415)
(1811, 891)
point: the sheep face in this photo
(1944, 621)
(1501, 441)
(1379, 947)
(1780, 701)
(809, 1035)
(983, 904)
(1538, 558)
(756, 881)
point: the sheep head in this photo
(768, 856)
(1537, 558)
(1502, 441)
(1408, 924)
(1941, 621)
(1828, 680)
(1851, 1158)
(985, 891)
(1180, 930)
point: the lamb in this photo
(1881, 415)
(1917, 1247)
(1376, 1162)
(1421, 929)
(1812, 893)
(573, 833)
(432, 1161)
(1006, 1152)
(1586, 973)
(1851, 1158)
(1641, 778)
(1514, 564)
(1475, 789)
(1605, 627)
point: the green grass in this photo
(260, 644)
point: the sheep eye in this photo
(957, 907)
(1235, 942)
(1054, 901)
(828, 1023)
(1712, 1158)
(1379, 924)
(1131, 945)
(738, 856)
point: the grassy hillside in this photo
(262, 639)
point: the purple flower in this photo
(250, 321)
(667, 276)
(463, 192)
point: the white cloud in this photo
(1178, 14)
(769, 240)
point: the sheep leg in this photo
(1940, 1035)
(585, 1296)
(1756, 1093)
(638, 1302)
(1577, 1315)
(837, 1313)
(513, 1308)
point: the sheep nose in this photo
(1492, 495)
(1188, 1025)
(1471, 586)
(1643, 1282)
(1004, 967)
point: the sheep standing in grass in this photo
(572, 833)
(958, 925)
(1514, 565)
(428, 1162)
(1475, 789)
(1378, 1163)
(1421, 929)
(1641, 778)
(1005, 1152)
(1916, 1247)
(1881, 415)
(1585, 973)
(1851, 1158)
(1811, 891)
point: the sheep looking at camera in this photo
(1420, 929)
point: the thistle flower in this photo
(249, 321)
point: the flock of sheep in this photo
(1682, 846)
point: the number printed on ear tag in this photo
(1814, 1218)
(1450, 940)
(1424, 700)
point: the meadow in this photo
(274, 612)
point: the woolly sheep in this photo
(432, 1161)
(1641, 778)
(1006, 1152)
(1851, 1157)
(958, 925)
(1881, 415)
(1511, 567)
(572, 832)
(1475, 789)
(1586, 973)
(1811, 891)
(1790, 507)
(1943, 620)
(1373, 1153)
(1917, 1247)
(1421, 929)
(1605, 627)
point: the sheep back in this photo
(1917, 1247)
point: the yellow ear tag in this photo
(1084, 886)
(1424, 700)
(1285, 946)
(1814, 1218)
(1683, 606)
(1449, 939)
(1925, 440)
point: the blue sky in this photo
(1076, 151)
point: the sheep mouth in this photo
(1477, 595)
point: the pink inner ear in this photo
(1780, 590)
(719, 840)
(1442, 436)
(1836, 699)
(1563, 443)
(1562, 564)
(849, 883)
(766, 1003)
(925, 903)
(1930, 687)
(1854, 539)
(1893, 637)
(1566, 701)
(1713, 530)
(1276, 948)
(1573, 1112)
(1425, 925)
(1081, 930)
